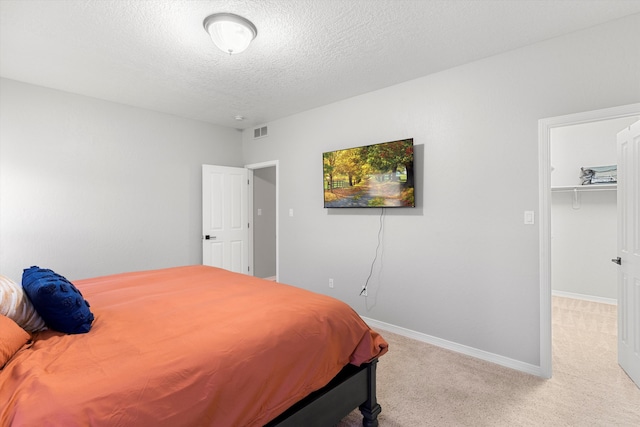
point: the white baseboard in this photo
(591, 298)
(458, 348)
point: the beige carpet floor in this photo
(423, 385)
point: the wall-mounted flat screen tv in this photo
(372, 176)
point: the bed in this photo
(196, 346)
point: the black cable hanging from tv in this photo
(366, 284)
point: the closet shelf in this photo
(591, 187)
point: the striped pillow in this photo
(15, 304)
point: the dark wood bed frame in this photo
(354, 387)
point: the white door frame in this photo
(262, 165)
(544, 208)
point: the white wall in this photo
(89, 187)
(584, 234)
(583, 241)
(462, 266)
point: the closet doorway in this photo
(584, 232)
(573, 262)
(263, 204)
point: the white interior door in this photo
(629, 251)
(225, 223)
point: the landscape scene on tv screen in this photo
(373, 176)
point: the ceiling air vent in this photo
(260, 132)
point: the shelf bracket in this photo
(576, 199)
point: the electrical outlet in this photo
(364, 292)
(331, 283)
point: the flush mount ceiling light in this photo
(231, 33)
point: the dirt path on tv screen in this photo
(359, 197)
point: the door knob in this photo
(617, 260)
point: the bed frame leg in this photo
(370, 408)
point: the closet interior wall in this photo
(584, 220)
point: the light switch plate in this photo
(529, 217)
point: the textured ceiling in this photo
(155, 54)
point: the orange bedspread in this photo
(186, 346)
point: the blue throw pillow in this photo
(57, 301)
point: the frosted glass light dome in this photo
(231, 33)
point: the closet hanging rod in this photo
(596, 187)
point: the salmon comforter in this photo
(185, 346)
